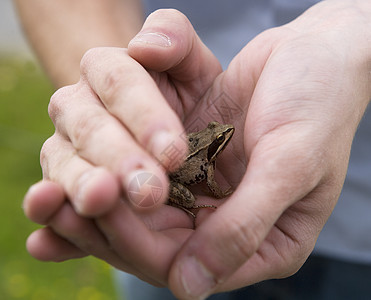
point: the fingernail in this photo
(144, 188)
(154, 38)
(197, 281)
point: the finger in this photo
(91, 190)
(177, 48)
(238, 229)
(166, 217)
(150, 251)
(88, 188)
(129, 93)
(102, 141)
(43, 244)
(81, 234)
(42, 200)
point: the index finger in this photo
(130, 94)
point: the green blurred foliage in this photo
(24, 125)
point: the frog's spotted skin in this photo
(204, 148)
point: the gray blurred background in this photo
(11, 38)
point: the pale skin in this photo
(303, 88)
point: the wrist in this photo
(344, 26)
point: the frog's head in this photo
(221, 135)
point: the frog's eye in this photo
(220, 138)
(190, 140)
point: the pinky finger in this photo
(45, 245)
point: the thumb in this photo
(168, 42)
(231, 236)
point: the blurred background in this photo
(24, 125)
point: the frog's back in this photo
(193, 171)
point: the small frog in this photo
(204, 147)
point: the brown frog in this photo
(204, 147)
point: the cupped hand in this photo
(116, 124)
(295, 95)
(303, 88)
(124, 118)
(120, 120)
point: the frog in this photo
(199, 165)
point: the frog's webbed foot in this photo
(227, 192)
(187, 209)
(193, 215)
(204, 206)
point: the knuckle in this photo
(246, 241)
(85, 127)
(89, 57)
(44, 155)
(242, 239)
(108, 71)
(59, 100)
(113, 83)
(292, 257)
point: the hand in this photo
(269, 225)
(154, 237)
(100, 109)
(306, 88)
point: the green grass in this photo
(24, 125)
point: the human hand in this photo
(134, 133)
(88, 113)
(269, 226)
(310, 89)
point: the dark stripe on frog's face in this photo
(219, 144)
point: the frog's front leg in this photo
(214, 186)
